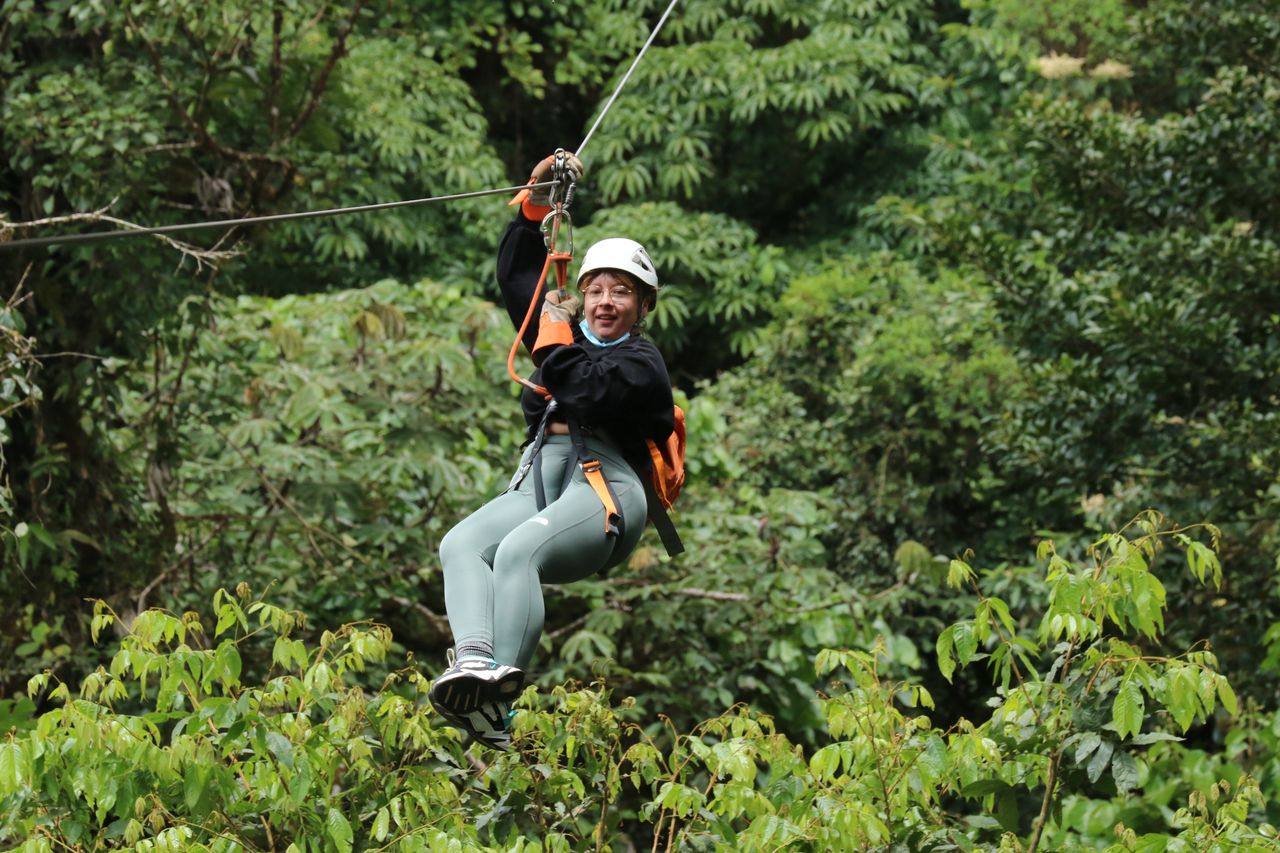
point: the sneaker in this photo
(466, 685)
(491, 724)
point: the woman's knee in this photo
(514, 558)
(463, 541)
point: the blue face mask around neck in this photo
(586, 330)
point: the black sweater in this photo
(622, 389)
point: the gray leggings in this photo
(496, 559)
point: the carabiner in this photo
(551, 227)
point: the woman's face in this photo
(611, 305)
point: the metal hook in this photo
(551, 228)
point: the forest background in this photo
(976, 310)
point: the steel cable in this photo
(140, 231)
(251, 220)
(625, 77)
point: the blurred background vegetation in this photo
(945, 279)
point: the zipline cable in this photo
(95, 236)
(625, 77)
(253, 220)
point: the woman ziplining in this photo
(606, 442)
(579, 498)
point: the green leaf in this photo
(1184, 696)
(229, 663)
(1101, 757)
(338, 830)
(1227, 696)
(196, 792)
(958, 573)
(1204, 563)
(1128, 709)
(946, 653)
(1154, 737)
(226, 618)
(1089, 741)
(381, 825)
(281, 747)
(1125, 771)
(913, 558)
(10, 768)
(1007, 810)
(966, 642)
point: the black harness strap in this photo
(535, 460)
(657, 512)
(539, 491)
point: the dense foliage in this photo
(950, 284)
(227, 759)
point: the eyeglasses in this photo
(617, 293)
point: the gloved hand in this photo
(541, 196)
(561, 310)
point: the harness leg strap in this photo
(613, 523)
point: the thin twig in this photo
(140, 603)
(167, 146)
(568, 629)
(1050, 782)
(69, 355)
(714, 595)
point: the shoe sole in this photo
(503, 745)
(464, 694)
(489, 737)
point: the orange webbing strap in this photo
(614, 523)
(561, 260)
(599, 485)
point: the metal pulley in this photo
(561, 197)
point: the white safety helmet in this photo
(619, 253)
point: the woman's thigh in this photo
(567, 541)
(482, 531)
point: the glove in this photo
(559, 310)
(541, 196)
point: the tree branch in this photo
(273, 93)
(570, 628)
(1050, 782)
(201, 256)
(322, 80)
(437, 621)
(201, 132)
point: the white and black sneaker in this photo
(491, 724)
(468, 684)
